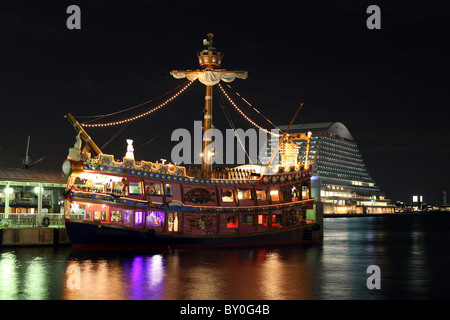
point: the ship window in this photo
(88, 215)
(168, 190)
(232, 221)
(134, 188)
(173, 222)
(104, 216)
(99, 188)
(274, 195)
(138, 217)
(116, 216)
(227, 195)
(261, 194)
(154, 218)
(127, 216)
(263, 219)
(97, 215)
(119, 188)
(294, 194)
(304, 192)
(152, 189)
(244, 194)
(247, 218)
(276, 219)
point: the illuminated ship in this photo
(139, 205)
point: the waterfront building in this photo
(340, 179)
(30, 195)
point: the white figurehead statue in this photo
(130, 149)
(75, 152)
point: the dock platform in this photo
(16, 237)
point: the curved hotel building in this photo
(340, 179)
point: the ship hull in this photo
(87, 236)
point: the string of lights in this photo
(244, 115)
(114, 123)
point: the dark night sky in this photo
(389, 86)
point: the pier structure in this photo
(31, 198)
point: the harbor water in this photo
(411, 252)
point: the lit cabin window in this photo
(152, 189)
(99, 188)
(232, 221)
(119, 188)
(134, 188)
(154, 218)
(127, 216)
(227, 195)
(274, 195)
(244, 194)
(138, 217)
(116, 216)
(261, 195)
(173, 222)
(294, 194)
(263, 219)
(104, 216)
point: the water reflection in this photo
(8, 276)
(412, 256)
(35, 279)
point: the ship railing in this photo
(107, 159)
(227, 173)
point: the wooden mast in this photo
(207, 153)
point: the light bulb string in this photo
(184, 86)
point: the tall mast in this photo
(210, 74)
(208, 60)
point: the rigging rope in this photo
(230, 122)
(187, 84)
(114, 136)
(131, 108)
(267, 119)
(243, 114)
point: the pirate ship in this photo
(138, 205)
